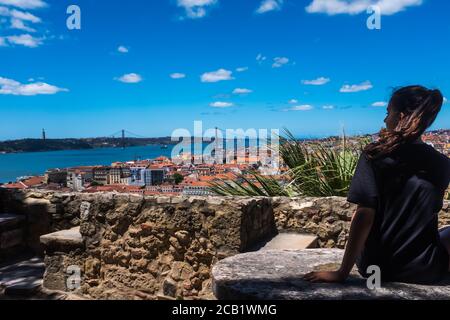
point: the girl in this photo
(399, 187)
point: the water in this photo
(15, 165)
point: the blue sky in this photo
(151, 67)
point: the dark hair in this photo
(419, 106)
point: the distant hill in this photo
(38, 145)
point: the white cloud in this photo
(241, 69)
(353, 7)
(242, 91)
(17, 14)
(2, 42)
(13, 87)
(21, 20)
(316, 82)
(130, 78)
(379, 104)
(25, 16)
(25, 40)
(328, 107)
(304, 107)
(123, 49)
(445, 99)
(269, 5)
(196, 8)
(20, 25)
(260, 58)
(221, 104)
(177, 75)
(293, 101)
(25, 4)
(216, 76)
(278, 62)
(18, 19)
(366, 85)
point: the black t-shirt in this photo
(406, 189)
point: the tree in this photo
(178, 178)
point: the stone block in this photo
(65, 239)
(292, 241)
(277, 275)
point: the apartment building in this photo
(101, 175)
(78, 177)
(197, 188)
(154, 177)
(119, 175)
(58, 176)
(137, 176)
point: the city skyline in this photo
(155, 67)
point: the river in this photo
(15, 165)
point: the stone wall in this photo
(164, 247)
(43, 211)
(136, 247)
(328, 218)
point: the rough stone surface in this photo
(11, 233)
(277, 274)
(137, 247)
(329, 218)
(64, 251)
(21, 278)
(145, 248)
(44, 212)
(70, 238)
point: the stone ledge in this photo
(63, 239)
(277, 274)
(11, 234)
(292, 241)
(9, 220)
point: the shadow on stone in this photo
(277, 275)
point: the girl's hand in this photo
(325, 276)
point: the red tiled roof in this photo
(25, 184)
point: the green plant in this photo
(255, 186)
(313, 169)
(326, 170)
(178, 178)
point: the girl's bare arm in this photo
(359, 231)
